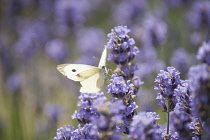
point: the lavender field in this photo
(157, 83)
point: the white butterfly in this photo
(90, 77)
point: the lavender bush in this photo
(162, 41)
(110, 119)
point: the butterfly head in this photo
(106, 70)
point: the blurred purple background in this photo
(37, 35)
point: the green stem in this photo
(168, 113)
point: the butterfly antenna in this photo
(107, 74)
(109, 71)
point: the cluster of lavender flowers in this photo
(187, 101)
(83, 115)
(108, 119)
(98, 119)
(176, 99)
(167, 82)
(172, 93)
(32, 42)
(124, 84)
(199, 79)
(184, 101)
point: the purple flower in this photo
(129, 70)
(122, 115)
(144, 126)
(118, 87)
(199, 80)
(121, 45)
(122, 52)
(70, 133)
(63, 133)
(86, 99)
(124, 84)
(180, 122)
(128, 113)
(199, 15)
(120, 31)
(166, 83)
(204, 52)
(170, 136)
(162, 102)
(84, 115)
(196, 129)
(117, 107)
(110, 117)
(183, 97)
(137, 82)
(57, 49)
(87, 109)
(107, 120)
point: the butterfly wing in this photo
(77, 72)
(94, 83)
(102, 61)
(91, 78)
(88, 73)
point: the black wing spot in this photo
(73, 70)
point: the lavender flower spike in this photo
(121, 45)
(124, 84)
(166, 83)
